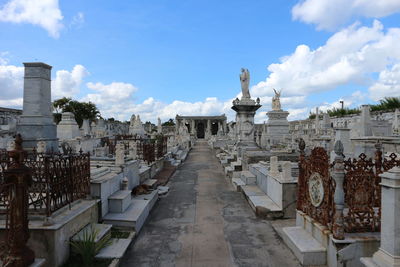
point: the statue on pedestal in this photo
(132, 121)
(245, 80)
(276, 103)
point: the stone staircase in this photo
(130, 212)
(308, 240)
(117, 247)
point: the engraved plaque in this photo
(316, 189)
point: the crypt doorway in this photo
(214, 128)
(200, 130)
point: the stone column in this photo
(120, 154)
(338, 176)
(273, 166)
(365, 121)
(224, 126)
(192, 128)
(36, 121)
(389, 251)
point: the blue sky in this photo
(159, 58)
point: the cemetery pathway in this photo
(204, 222)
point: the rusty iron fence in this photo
(314, 175)
(57, 180)
(361, 188)
(146, 149)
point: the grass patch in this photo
(115, 233)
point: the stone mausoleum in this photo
(203, 127)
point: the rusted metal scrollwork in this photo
(316, 187)
(361, 195)
(393, 161)
(149, 152)
(57, 180)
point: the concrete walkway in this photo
(203, 222)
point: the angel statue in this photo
(276, 103)
(245, 80)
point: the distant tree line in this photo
(386, 104)
(169, 122)
(81, 110)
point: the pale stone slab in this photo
(136, 214)
(252, 190)
(248, 178)
(116, 250)
(150, 182)
(119, 201)
(263, 202)
(103, 230)
(307, 250)
(237, 183)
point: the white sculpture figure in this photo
(41, 147)
(11, 145)
(245, 80)
(183, 131)
(276, 103)
(132, 122)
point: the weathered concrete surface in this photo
(204, 222)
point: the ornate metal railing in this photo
(344, 195)
(361, 195)
(315, 185)
(149, 152)
(145, 149)
(57, 180)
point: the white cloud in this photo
(12, 103)
(78, 20)
(67, 83)
(388, 84)
(113, 92)
(330, 14)
(44, 13)
(11, 83)
(349, 56)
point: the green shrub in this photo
(87, 248)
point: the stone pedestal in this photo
(388, 254)
(245, 110)
(36, 122)
(67, 128)
(277, 126)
